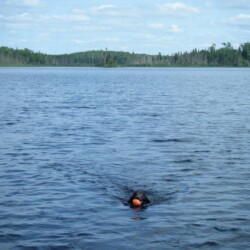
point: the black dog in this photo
(138, 199)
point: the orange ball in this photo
(136, 202)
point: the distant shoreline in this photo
(117, 67)
(226, 56)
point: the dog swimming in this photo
(138, 199)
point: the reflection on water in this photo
(76, 142)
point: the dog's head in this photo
(138, 199)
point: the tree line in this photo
(223, 56)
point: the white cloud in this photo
(24, 17)
(91, 28)
(15, 27)
(239, 4)
(177, 9)
(32, 3)
(156, 26)
(145, 36)
(175, 29)
(28, 3)
(98, 40)
(246, 31)
(73, 17)
(111, 10)
(161, 27)
(241, 19)
(78, 41)
(22, 40)
(27, 17)
(105, 7)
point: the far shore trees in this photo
(223, 56)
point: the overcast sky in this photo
(143, 26)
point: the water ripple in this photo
(76, 142)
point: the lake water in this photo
(75, 142)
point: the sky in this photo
(140, 26)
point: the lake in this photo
(75, 143)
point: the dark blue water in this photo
(75, 142)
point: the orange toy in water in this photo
(136, 202)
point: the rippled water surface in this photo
(75, 142)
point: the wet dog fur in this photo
(141, 196)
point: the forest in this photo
(225, 56)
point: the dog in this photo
(138, 199)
